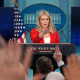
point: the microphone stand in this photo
(64, 36)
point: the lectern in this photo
(48, 50)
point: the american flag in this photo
(19, 28)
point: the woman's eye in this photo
(47, 19)
(42, 19)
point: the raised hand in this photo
(57, 54)
(44, 31)
(72, 72)
(10, 66)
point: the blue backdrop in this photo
(7, 22)
(64, 5)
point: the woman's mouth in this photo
(45, 24)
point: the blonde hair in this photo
(51, 26)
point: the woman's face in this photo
(44, 21)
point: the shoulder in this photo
(33, 30)
(56, 32)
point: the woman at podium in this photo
(45, 31)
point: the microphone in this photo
(64, 36)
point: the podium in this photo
(48, 50)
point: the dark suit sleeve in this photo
(61, 69)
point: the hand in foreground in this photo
(73, 70)
(57, 54)
(10, 66)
